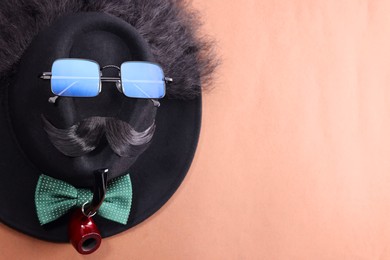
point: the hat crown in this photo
(95, 36)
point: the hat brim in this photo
(155, 176)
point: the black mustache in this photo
(84, 137)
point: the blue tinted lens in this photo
(75, 78)
(142, 80)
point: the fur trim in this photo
(169, 27)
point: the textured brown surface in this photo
(293, 160)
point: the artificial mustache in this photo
(85, 136)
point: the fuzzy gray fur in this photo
(169, 26)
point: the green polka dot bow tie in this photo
(53, 198)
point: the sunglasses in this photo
(83, 78)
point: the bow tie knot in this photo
(53, 198)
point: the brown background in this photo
(293, 160)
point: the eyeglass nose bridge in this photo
(116, 80)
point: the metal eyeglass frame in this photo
(116, 80)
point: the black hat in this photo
(32, 36)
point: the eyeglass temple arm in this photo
(116, 79)
(47, 75)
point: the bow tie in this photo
(53, 198)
